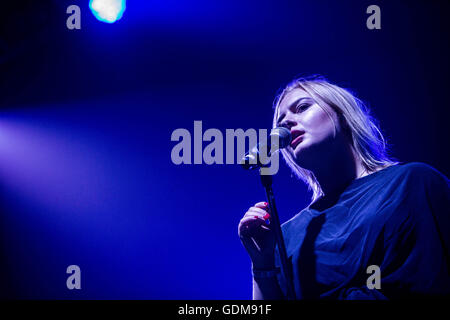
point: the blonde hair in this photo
(366, 138)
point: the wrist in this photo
(264, 265)
(265, 273)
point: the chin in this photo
(305, 156)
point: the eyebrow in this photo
(281, 117)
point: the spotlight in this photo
(107, 10)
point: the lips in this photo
(297, 137)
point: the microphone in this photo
(279, 138)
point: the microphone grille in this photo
(284, 136)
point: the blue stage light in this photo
(107, 10)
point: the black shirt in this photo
(397, 219)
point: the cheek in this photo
(317, 123)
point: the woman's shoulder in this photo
(417, 185)
(416, 171)
(419, 167)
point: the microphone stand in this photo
(286, 267)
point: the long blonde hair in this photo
(366, 138)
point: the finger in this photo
(261, 213)
(251, 220)
(262, 205)
(254, 213)
(258, 211)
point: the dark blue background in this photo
(86, 176)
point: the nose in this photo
(288, 123)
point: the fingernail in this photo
(266, 204)
(267, 216)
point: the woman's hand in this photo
(257, 237)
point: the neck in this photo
(334, 176)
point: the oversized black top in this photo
(397, 219)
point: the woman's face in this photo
(313, 132)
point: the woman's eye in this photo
(302, 107)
